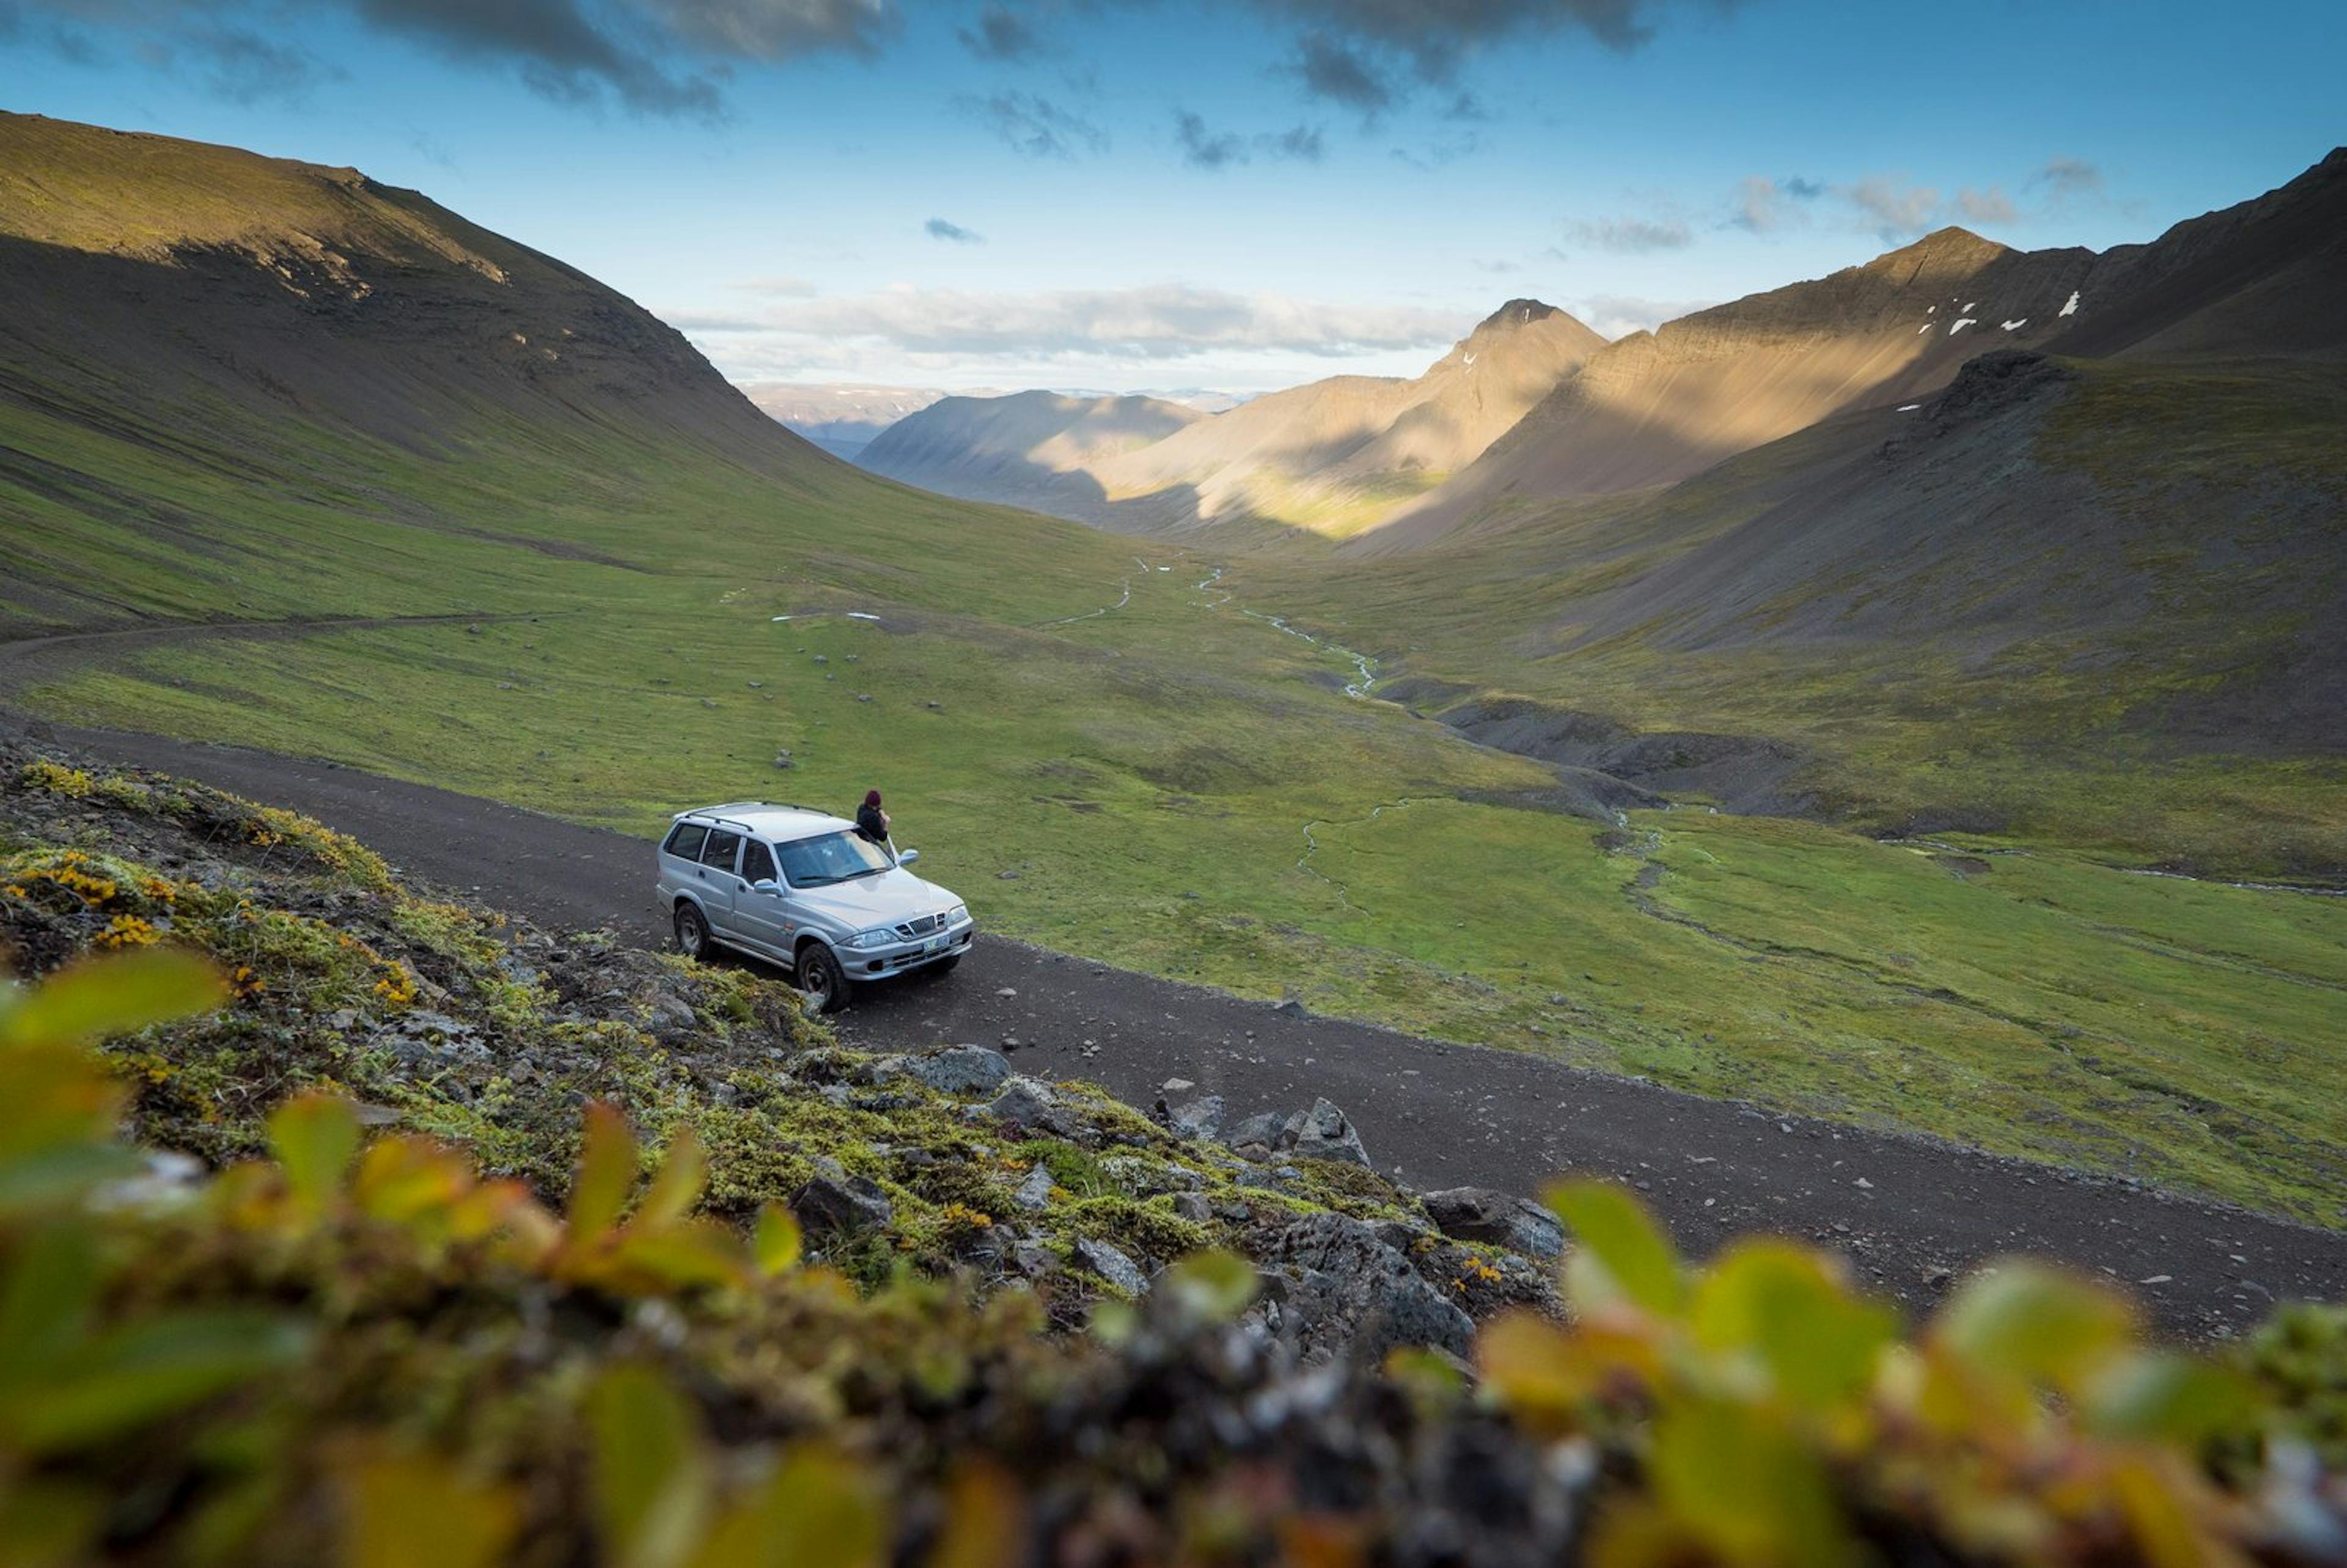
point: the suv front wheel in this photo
(821, 980)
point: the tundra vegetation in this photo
(357, 1344)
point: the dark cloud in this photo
(2069, 177)
(675, 56)
(1204, 148)
(1001, 34)
(1333, 71)
(652, 57)
(245, 67)
(940, 228)
(1438, 154)
(560, 52)
(1434, 36)
(1034, 126)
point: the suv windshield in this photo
(834, 857)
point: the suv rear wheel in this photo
(691, 931)
(821, 980)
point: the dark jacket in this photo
(872, 823)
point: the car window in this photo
(687, 839)
(834, 857)
(719, 851)
(758, 863)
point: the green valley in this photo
(653, 593)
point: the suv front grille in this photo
(920, 926)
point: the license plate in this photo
(937, 944)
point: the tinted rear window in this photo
(719, 850)
(687, 839)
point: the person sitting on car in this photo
(870, 820)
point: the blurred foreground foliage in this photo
(358, 1350)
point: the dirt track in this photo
(1911, 1212)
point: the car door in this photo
(717, 884)
(759, 914)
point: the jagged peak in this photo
(1944, 253)
(1515, 314)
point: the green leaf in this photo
(652, 1480)
(778, 1241)
(2162, 1396)
(607, 1173)
(701, 1252)
(1623, 1255)
(1211, 1287)
(984, 1523)
(46, 1301)
(110, 994)
(684, 1170)
(819, 1511)
(50, 1176)
(2036, 1323)
(314, 1137)
(1746, 1487)
(143, 1371)
(49, 1523)
(1786, 1307)
(413, 1512)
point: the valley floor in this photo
(1912, 1213)
(1122, 765)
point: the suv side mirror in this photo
(908, 857)
(766, 885)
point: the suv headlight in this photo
(957, 915)
(876, 939)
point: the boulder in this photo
(1325, 1132)
(1035, 1192)
(1500, 1219)
(1200, 1118)
(960, 1070)
(1256, 1136)
(1112, 1265)
(1027, 1104)
(843, 1204)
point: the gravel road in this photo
(1911, 1212)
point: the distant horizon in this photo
(1245, 195)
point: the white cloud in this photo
(1634, 236)
(1990, 206)
(1156, 322)
(1893, 210)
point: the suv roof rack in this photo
(743, 804)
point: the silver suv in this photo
(803, 888)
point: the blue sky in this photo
(1125, 194)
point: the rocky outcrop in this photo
(1344, 1290)
(1321, 1132)
(1482, 1214)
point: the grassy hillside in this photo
(2101, 610)
(1096, 752)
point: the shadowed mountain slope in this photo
(1035, 450)
(2268, 277)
